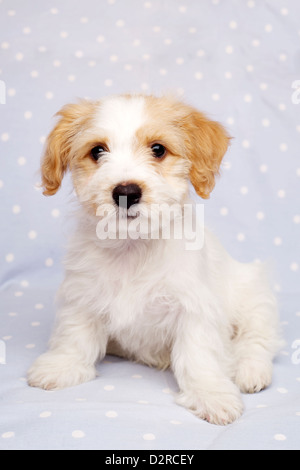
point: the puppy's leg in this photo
(202, 366)
(78, 341)
(257, 329)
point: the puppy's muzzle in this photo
(125, 195)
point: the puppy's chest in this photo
(138, 305)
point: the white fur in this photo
(211, 319)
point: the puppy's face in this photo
(128, 152)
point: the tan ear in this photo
(207, 142)
(55, 161)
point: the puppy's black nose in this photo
(125, 195)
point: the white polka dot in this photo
(284, 11)
(84, 20)
(49, 262)
(5, 45)
(240, 237)
(182, 9)
(64, 34)
(39, 306)
(260, 216)
(54, 11)
(19, 56)
(228, 75)
(19, 294)
(282, 57)
(256, 43)
(34, 74)
(108, 82)
(11, 92)
(32, 235)
(79, 54)
(233, 24)
(294, 267)
(120, 23)
(111, 414)
(49, 95)
(180, 61)
(21, 161)
(16, 209)
(137, 376)
(263, 168)
(30, 346)
(215, 97)
(5, 137)
(251, 4)
(244, 190)
(11, 12)
(100, 39)
(56, 63)
(268, 28)
(114, 58)
(24, 283)
(282, 390)
(296, 219)
(163, 72)
(9, 258)
(8, 435)
(27, 30)
(224, 211)
(109, 388)
(277, 241)
(266, 122)
(149, 437)
(35, 323)
(280, 437)
(229, 50)
(281, 193)
(1, 184)
(246, 144)
(78, 434)
(71, 78)
(200, 53)
(28, 115)
(283, 147)
(45, 414)
(298, 172)
(55, 213)
(248, 98)
(282, 107)
(263, 86)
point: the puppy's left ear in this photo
(206, 142)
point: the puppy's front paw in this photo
(253, 375)
(54, 371)
(222, 407)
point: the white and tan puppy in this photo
(135, 293)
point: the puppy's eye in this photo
(97, 152)
(158, 150)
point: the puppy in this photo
(130, 291)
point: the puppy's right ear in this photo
(56, 159)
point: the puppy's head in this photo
(141, 147)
